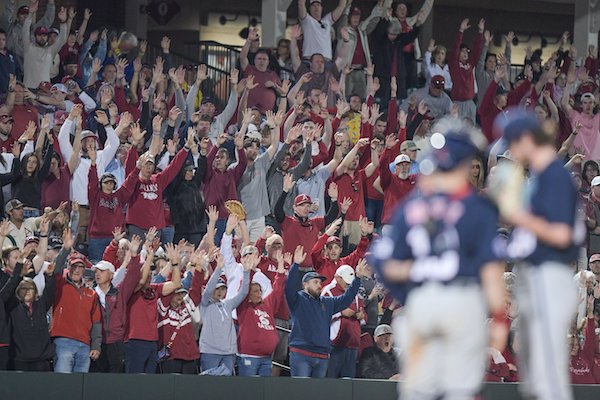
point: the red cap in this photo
(45, 86)
(438, 81)
(66, 79)
(334, 239)
(41, 30)
(355, 11)
(23, 10)
(60, 117)
(78, 258)
(301, 199)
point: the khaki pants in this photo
(353, 230)
(84, 220)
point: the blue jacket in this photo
(311, 317)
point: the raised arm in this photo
(337, 12)
(302, 9)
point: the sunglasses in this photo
(354, 186)
(6, 118)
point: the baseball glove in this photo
(236, 208)
(507, 188)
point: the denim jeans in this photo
(31, 213)
(96, 247)
(166, 234)
(71, 355)
(307, 367)
(374, 209)
(141, 356)
(220, 226)
(342, 363)
(210, 361)
(254, 366)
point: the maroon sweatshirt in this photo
(146, 204)
(581, 365)
(345, 331)
(258, 335)
(114, 312)
(269, 268)
(327, 267)
(222, 186)
(463, 79)
(394, 188)
(107, 210)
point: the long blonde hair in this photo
(479, 181)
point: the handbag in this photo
(165, 352)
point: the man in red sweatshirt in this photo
(220, 182)
(326, 264)
(496, 99)
(395, 186)
(345, 327)
(582, 359)
(76, 327)
(257, 336)
(113, 308)
(146, 204)
(461, 64)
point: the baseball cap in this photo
(108, 177)
(438, 81)
(189, 166)
(60, 117)
(45, 86)
(408, 145)
(401, 158)
(249, 250)
(23, 10)
(346, 272)
(60, 87)
(355, 11)
(181, 290)
(160, 254)
(302, 199)
(253, 132)
(78, 258)
(453, 143)
(54, 30)
(333, 239)
(500, 90)
(11, 205)
(588, 96)
(221, 283)
(104, 266)
(273, 239)
(54, 243)
(517, 123)
(31, 239)
(86, 133)
(383, 329)
(312, 275)
(595, 181)
(41, 30)
(151, 159)
(595, 257)
(314, 1)
(207, 100)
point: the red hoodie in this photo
(222, 186)
(146, 204)
(258, 335)
(394, 188)
(106, 210)
(344, 331)
(580, 366)
(170, 320)
(326, 266)
(269, 268)
(463, 79)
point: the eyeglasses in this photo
(6, 118)
(322, 25)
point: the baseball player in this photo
(436, 258)
(545, 238)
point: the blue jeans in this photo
(71, 355)
(254, 366)
(141, 356)
(307, 367)
(374, 209)
(33, 213)
(96, 247)
(220, 226)
(342, 363)
(166, 234)
(210, 361)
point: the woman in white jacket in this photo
(435, 64)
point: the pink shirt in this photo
(262, 96)
(588, 138)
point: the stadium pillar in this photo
(136, 20)
(586, 26)
(273, 21)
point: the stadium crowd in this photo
(122, 250)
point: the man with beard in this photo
(38, 56)
(311, 317)
(253, 184)
(395, 186)
(379, 360)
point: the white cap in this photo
(595, 181)
(402, 158)
(253, 132)
(346, 272)
(103, 266)
(382, 330)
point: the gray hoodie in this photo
(218, 335)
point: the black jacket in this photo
(383, 50)
(6, 293)
(186, 203)
(10, 177)
(375, 364)
(30, 337)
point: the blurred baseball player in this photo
(439, 254)
(545, 237)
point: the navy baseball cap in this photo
(516, 124)
(312, 275)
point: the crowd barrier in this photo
(50, 386)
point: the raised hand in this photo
(332, 191)
(366, 227)
(481, 25)
(134, 245)
(118, 234)
(288, 183)
(299, 255)
(157, 124)
(346, 203)
(464, 25)
(334, 227)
